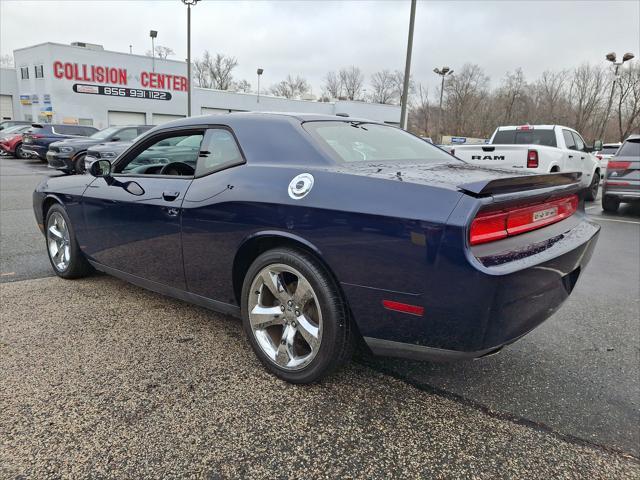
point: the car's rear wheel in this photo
(19, 152)
(610, 204)
(62, 247)
(295, 317)
(592, 193)
(78, 163)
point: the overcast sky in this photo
(310, 38)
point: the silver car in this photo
(622, 183)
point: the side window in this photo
(127, 134)
(170, 155)
(579, 143)
(24, 73)
(219, 150)
(568, 139)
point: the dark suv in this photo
(68, 155)
(36, 140)
(622, 183)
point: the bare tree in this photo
(220, 70)
(586, 93)
(550, 96)
(420, 113)
(398, 85)
(512, 98)
(6, 61)
(352, 81)
(241, 86)
(161, 52)
(629, 101)
(383, 86)
(291, 87)
(465, 93)
(200, 71)
(332, 85)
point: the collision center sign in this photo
(102, 74)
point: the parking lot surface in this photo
(104, 377)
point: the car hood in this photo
(457, 176)
(76, 142)
(111, 146)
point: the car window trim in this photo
(226, 165)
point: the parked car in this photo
(622, 184)
(68, 155)
(11, 137)
(278, 219)
(12, 123)
(540, 149)
(36, 140)
(603, 155)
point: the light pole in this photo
(407, 68)
(444, 72)
(153, 34)
(612, 58)
(189, 3)
(260, 71)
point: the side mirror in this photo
(597, 145)
(100, 168)
(115, 139)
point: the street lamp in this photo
(444, 72)
(260, 71)
(189, 3)
(613, 59)
(153, 34)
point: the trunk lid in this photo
(505, 156)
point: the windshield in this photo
(107, 132)
(609, 150)
(370, 142)
(630, 148)
(525, 137)
(14, 129)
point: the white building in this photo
(85, 84)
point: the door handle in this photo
(570, 156)
(170, 196)
(581, 158)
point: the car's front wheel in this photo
(295, 317)
(78, 163)
(62, 247)
(592, 193)
(19, 152)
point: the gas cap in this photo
(300, 186)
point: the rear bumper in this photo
(35, 150)
(479, 310)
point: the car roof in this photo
(239, 117)
(634, 136)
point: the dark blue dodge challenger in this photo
(321, 232)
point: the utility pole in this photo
(260, 71)
(445, 71)
(153, 34)
(188, 3)
(407, 69)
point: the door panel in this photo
(137, 233)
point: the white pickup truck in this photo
(537, 148)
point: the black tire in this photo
(610, 204)
(337, 334)
(19, 153)
(78, 163)
(592, 192)
(77, 266)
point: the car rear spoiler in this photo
(525, 183)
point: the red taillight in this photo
(615, 165)
(491, 226)
(36, 135)
(599, 157)
(525, 127)
(532, 159)
(618, 184)
(403, 307)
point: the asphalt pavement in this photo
(571, 386)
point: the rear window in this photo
(42, 129)
(525, 137)
(630, 148)
(370, 142)
(73, 130)
(609, 150)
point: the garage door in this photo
(159, 118)
(6, 107)
(126, 118)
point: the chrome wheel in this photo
(58, 241)
(285, 316)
